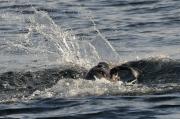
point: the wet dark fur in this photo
(99, 71)
(122, 73)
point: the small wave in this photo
(81, 88)
(157, 76)
(128, 3)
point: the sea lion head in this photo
(125, 74)
(103, 65)
(101, 70)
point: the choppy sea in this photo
(47, 45)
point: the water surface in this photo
(37, 36)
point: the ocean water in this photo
(46, 47)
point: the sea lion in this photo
(99, 71)
(125, 74)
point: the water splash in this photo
(80, 88)
(39, 36)
(68, 47)
(103, 47)
(58, 41)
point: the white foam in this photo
(81, 87)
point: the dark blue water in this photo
(43, 37)
(136, 107)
